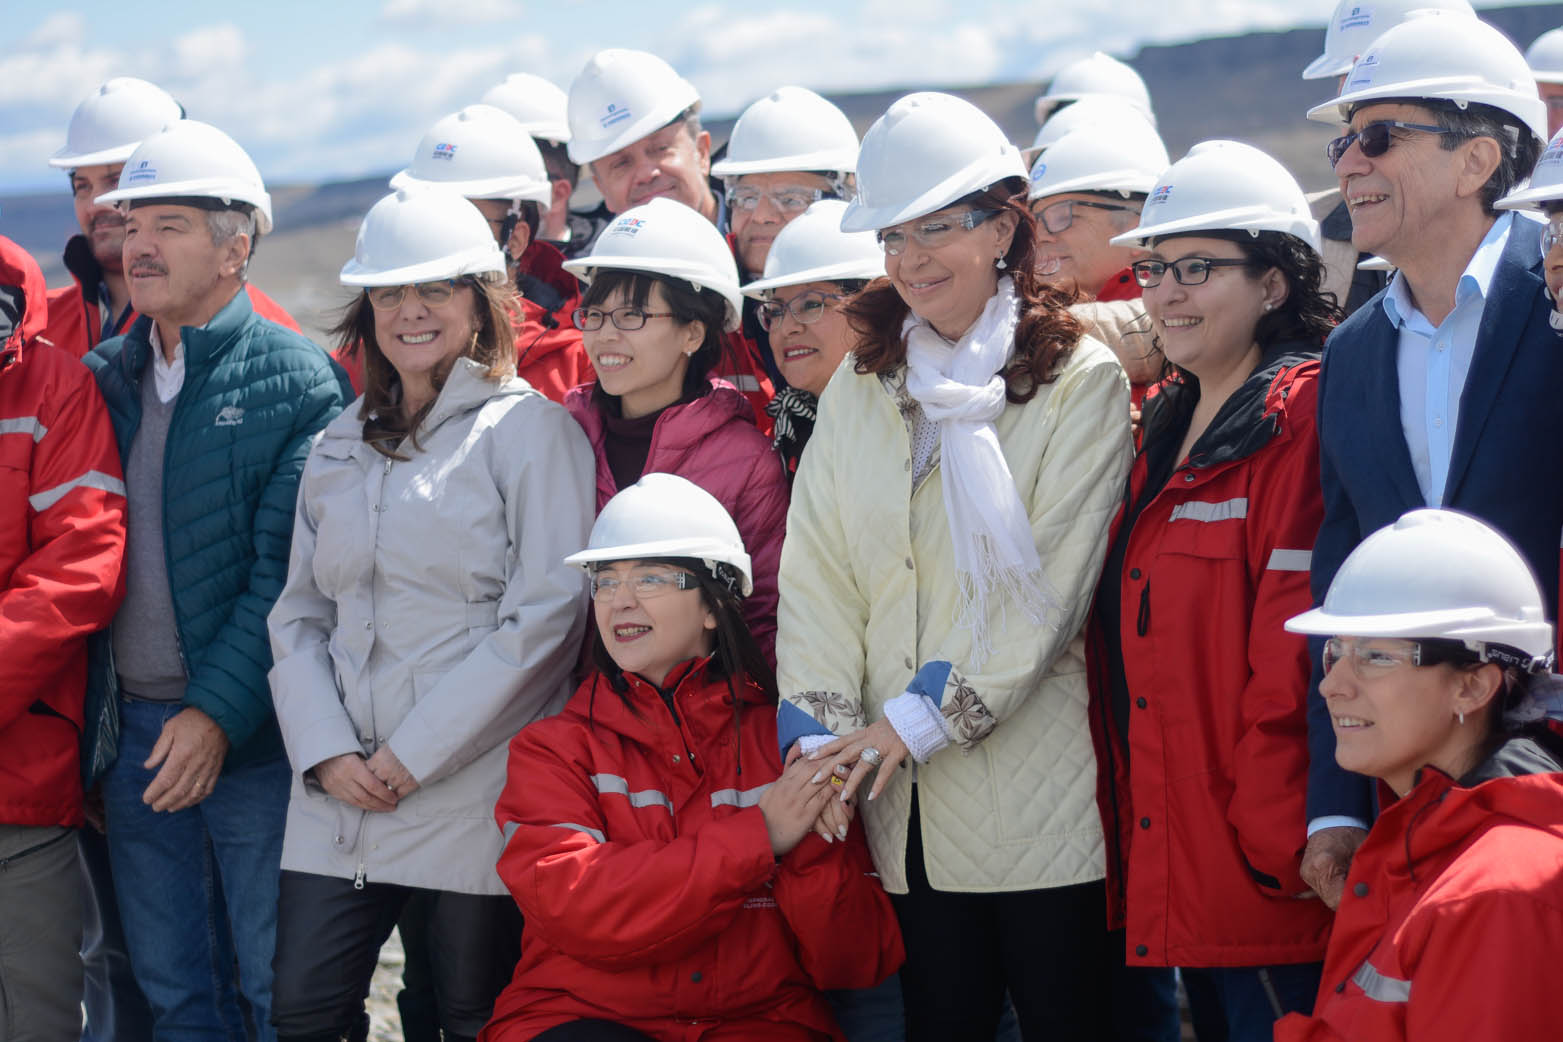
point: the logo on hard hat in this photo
(627, 226)
(144, 171)
(1161, 195)
(613, 114)
(444, 151)
(1037, 173)
(1356, 18)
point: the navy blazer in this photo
(1506, 464)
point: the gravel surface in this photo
(385, 1025)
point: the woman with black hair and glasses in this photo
(662, 855)
(1198, 694)
(661, 295)
(812, 269)
(424, 621)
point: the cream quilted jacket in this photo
(868, 596)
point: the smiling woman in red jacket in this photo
(665, 862)
(1198, 692)
(662, 289)
(1435, 676)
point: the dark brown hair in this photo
(1046, 334)
(493, 345)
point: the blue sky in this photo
(319, 89)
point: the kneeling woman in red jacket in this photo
(1435, 678)
(1199, 694)
(662, 292)
(665, 862)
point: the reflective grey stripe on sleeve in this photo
(573, 827)
(1380, 988)
(1201, 510)
(42, 501)
(613, 783)
(24, 425)
(1290, 560)
(738, 797)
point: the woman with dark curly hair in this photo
(1198, 693)
(948, 523)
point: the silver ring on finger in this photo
(870, 756)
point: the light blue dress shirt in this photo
(1434, 361)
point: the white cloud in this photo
(64, 27)
(206, 51)
(458, 11)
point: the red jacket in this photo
(1122, 286)
(549, 354)
(1205, 821)
(62, 546)
(74, 319)
(640, 859)
(713, 442)
(742, 367)
(1449, 926)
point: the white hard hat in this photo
(664, 515)
(813, 248)
(1437, 575)
(191, 159)
(664, 237)
(1545, 57)
(620, 97)
(481, 152)
(1098, 74)
(1545, 184)
(1442, 57)
(1354, 25)
(790, 129)
(1099, 161)
(924, 153)
(537, 104)
(1100, 112)
(1224, 186)
(113, 120)
(421, 233)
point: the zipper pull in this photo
(1142, 622)
(358, 877)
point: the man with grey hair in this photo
(214, 409)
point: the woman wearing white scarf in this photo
(913, 619)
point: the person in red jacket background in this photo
(665, 861)
(1198, 693)
(1436, 677)
(62, 546)
(662, 292)
(104, 130)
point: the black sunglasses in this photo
(1375, 138)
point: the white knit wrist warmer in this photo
(809, 742)
(917, 720)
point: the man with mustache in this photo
(214, 410)
(105, 128)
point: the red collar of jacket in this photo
(1122, 286)
(542, 263)
(697, 693)
(681, 426)
(19, 269)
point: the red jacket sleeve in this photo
(616, 903)
(761, 517)
(71, 581)
(1270, 764)
(840, 914)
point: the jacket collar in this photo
(201, 343)
(19, 270)
(680, 425)
(84, 267)
(465, 389)
(691, 686)
(1248, 420)
(541, 277)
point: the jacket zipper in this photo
(168, 557)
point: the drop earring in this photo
(1461, 717)
(1001, 264)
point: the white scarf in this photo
(960, 387)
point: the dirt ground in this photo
(384, 1023)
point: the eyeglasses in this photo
(1375, 138)
(788, 200)
(1059, 216)
(1551, 235)
(806, 308)
(1369, 662)
(627, 318)
(646, 586)
(930, 232)
(1188, 271)
(434, 294)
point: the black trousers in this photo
(328, 942)
(1048, 948)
